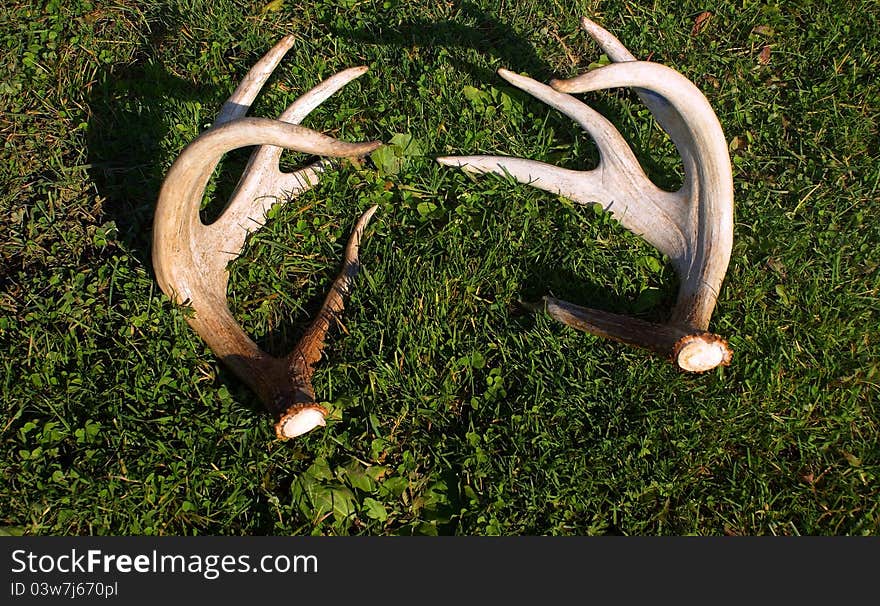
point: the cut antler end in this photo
(701, 352)
(300, 419)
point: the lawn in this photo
(454, 409)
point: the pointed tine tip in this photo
(609, 44)
(533, 306)
(597, 32)
(368, 214)
(512, 77)
(334, 148)
(354, 241)
(348, 74)
(463, 162)
(466, 163)
(589, 25)
(525, 83)
(518, 80)
(238, 104)
(277, 52)
(358, 149)
(345, 149)
(563, 85)
(361, 224)
(304, 105)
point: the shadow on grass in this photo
(132, 115)
(562, 284)
(489, 36)
(494, 38)
(130, 118)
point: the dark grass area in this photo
(455, 410)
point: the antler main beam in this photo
(190, 258)
(693, 226)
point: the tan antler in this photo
(693, 226)
(190, 258)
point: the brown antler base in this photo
(693, 352)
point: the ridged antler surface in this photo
(693, 226)
(190, 258)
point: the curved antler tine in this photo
(653, 78)
(306, 103)
(302, 412)
(240, 101)
(667, 217)
(556, 180)
(612, 146)
(663, 112)
(263, 184)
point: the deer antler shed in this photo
(693, 226)
(190, 258)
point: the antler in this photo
(693, 226)
(190, 258)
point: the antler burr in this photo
(693, 226)
(190, 258)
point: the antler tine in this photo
(693, 226)
(665, 115)
(190, 258)
(307, 352)
(263, 184)
(241, 99)
(659, 216)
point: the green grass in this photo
(455, 412)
